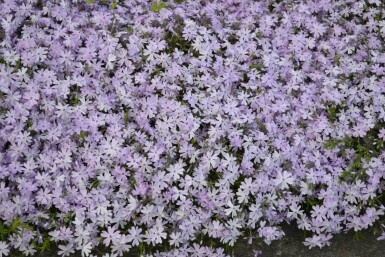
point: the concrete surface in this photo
(342, 245)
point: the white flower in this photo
(242, 196)
(3, 249)
(232, 209)
(66, 250)
(86, 249)
(111, 59)
(295, 211)
(134, 235)
(30, 250)
(175, 238)
(313, 241)
(176, 170)
(284, 179)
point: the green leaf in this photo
(257, 66)
(95, 184)
(358, 235)
(15, 224)
(157, 6)
(332, 143)
(25, 226)
(90, 1)
(83, 134)
(332, 115)
(312, 202)
(377, 17)
(67, 218)
(44, 247)
(73, 100)
(337, 59)
(4, 231)
(28, 124)
(113, 5)
(345, 174)
(18, 65)
(126, 118)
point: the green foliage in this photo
(354, 171)
(378, 16)
(45, 246)
(358, 235)
(237, 183)
(213, 177)
(28, 124)
(126, 118)
(312, 202)
(177, 41)
(68, 217)
(194, 143)
(378, 200)
(157, 6)
(333, 111)
(4, 231)
(113, 4)
(337, 58)
(81, 137)
(52, 212)
(90, 1)
(141, 249)
(365, 148)
(229, 250)
(73, 98)
(18, 65)
(180, 95)
(325, 52)
(83, 134)
(15, 225)
(95, 184)
(309, 203)
(261, 125)
(332, 143)
(257, 66)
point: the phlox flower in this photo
(4, 251)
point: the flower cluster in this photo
(172, 127)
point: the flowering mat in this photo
(178, 128)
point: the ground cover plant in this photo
(175, 128)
